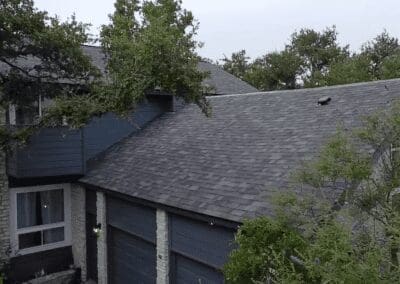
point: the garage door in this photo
(131, 242)
(198, 251)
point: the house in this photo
(42, 209)
(161, 203)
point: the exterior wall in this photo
(78, 227)
(4, 213)
(162, 247)
(102, 267)
(4, 204)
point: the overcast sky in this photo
(258, 26)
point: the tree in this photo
(355, 239)
(151, 47)
(318, 51)
(36, 52)
(381, 47)
(390, 67)
(274, 71)
(355, 69)
(237, 64)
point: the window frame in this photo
(15, 232)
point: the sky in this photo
(258, 26)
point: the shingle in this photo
(230, 165)
(221, 81)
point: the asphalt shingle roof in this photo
(224, 82)
(231, 164)
(221, 81)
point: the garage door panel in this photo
(191, 272)
(133, 260)
(210, 244)
(132, 218)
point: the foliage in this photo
(381, 47)
(276, 70)
(318, 50)
(314, 58)
(352, 70)
(347, 221)
(148, 47)
(151, 47)
(37, 52)
(237, 64)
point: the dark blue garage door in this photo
(133, 260)
(131, 242)
(199, 251)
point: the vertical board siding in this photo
(201, 241)
(134, 219)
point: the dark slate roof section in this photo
(223, 82)
(96, 54)
(230, 165)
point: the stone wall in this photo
(78, 227)
(4, 204)
(4, 212)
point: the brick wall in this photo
(78, 227)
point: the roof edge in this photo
(309, 89)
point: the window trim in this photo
(15, 232)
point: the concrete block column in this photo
(102, 239)
(162, 247)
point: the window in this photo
(28, 114)
(40, 218)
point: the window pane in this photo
(39, 208)
(53, 235)
(30, 240)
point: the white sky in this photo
(259, 26)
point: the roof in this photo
(230, 165)
(221, 81)
(224, 82)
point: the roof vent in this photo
(324, 101)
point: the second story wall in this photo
(61, 151)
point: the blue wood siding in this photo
(102, 132)
(133, 219)
(50, 152)
(62, 152)
(201, 241)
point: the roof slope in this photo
(224, 82)
(221, 81)
(229, 165)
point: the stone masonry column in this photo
(78, 227)
(102, 239)
(162, 247)
(4, 212)
(4, 204)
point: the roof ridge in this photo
(367, 83)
